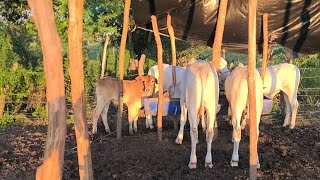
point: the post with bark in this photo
(251, 86)
(141, 65)
(216, 49)
(160, 80)
(104, 56)
(77, 89)
(43, 16)
(265, 46)
(174, 57)
(121, 63)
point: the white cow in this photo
(201, 94)
(286, 78)
(236, 90)
(222, 75)
(175, 92)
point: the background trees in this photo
(21, 71)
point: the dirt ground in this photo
(284, 153)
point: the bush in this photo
(6, 119)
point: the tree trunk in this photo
(77, 89)
(253, 140)
(160, 80)
(121, 63)
(42, 12)
(104, 57)
(216, 49)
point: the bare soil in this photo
(284, 153)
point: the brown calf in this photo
(107, 91)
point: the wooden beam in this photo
(174, 58)
(104, 56)
(216, 49)
(77, 89)
(251, 86)
(121, 62)
(160, 80)
(43, 16)
(265, 46)
(141, 65)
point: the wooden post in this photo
(265, 46)
(42, 12)
(216, 49)
(104, 56)
(121, 63)
(141, 64)
(174, 58)
(160, 80)
(77, 89)
(251, 86)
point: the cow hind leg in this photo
(104, 116)
(236, 136)
(183, 120)
(194, 139)
(96, 116)
(294, 108)
(209, 138)
(288, 110)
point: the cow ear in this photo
(140, 78)
(155, 80)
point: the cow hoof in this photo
(208, 165)
(258, 165)
(135, 130)
(192, 165)
(108, 131)
(285, 124)
(130, 132)
(234, 163)
(292, 127)
(178, 141)
(151, 127)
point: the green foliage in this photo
(17, 85)
(6, 119)
(70, 120)
(40, 112)
(102, 17)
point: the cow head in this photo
(148, 84)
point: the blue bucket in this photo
(171, 106)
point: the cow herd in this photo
(197, 86)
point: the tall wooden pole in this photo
(141, 65)
(174, 57)
(77, 89)
(216, 49)
(160, 80)
(42, 12)
(251, 86)
(104, 56)
(265, 46)
(121, 63)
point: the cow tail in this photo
(203, 77)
